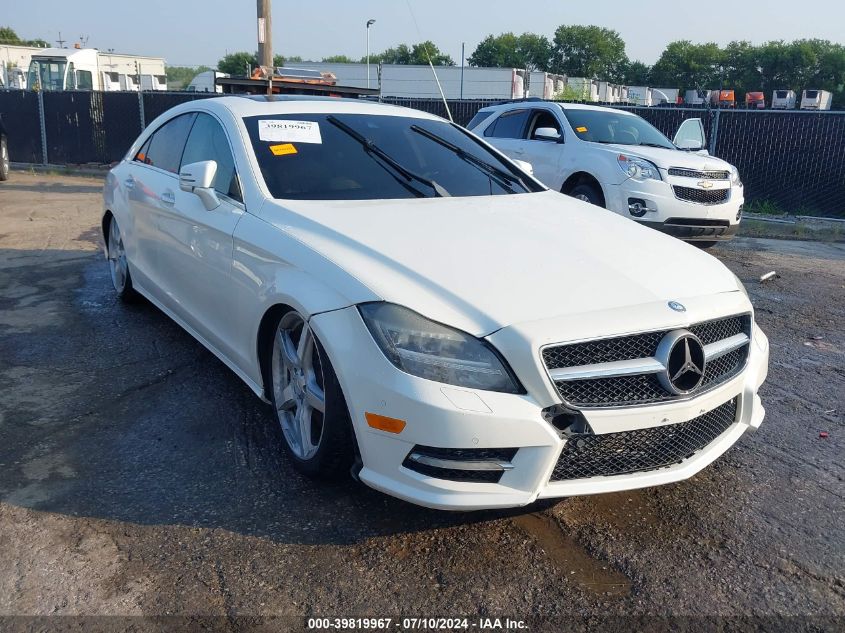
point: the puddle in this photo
(569, 556)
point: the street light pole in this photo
(265, 34)
(369, 24)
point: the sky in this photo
(193, 32)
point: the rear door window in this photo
(510, 124)
(168, 142)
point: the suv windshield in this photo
(374, 157)
(601, 126)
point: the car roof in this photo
(529, 103)
(258, 105)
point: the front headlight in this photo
(741, 287)
(638, 168)
(735, 177)
(426, 349)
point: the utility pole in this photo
(463, 62)
(60, 41)
(265, 34)
(369, 24)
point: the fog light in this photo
(637, 207)
(739, 213)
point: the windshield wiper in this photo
(372, 148)
(654, 145)
(483, 165)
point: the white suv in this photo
(619, 161)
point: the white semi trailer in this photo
(56, 69)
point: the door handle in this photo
(129, 183)
(168, 197)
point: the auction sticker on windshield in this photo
(278, 131)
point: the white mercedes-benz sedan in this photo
(424, 314)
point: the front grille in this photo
(702, 196)
(641, 388)
(641, 450)
(701, 175)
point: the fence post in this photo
(714, 133)
(140, 97)
(43, 124)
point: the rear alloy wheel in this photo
(118, 266)
(587, 193)
(308, 402)
(4, 159)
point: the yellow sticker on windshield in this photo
(581, 129)
(283, 150)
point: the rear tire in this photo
(704, 245)
(118, 264)
(588, 193)
(4, 159)
(308, 402)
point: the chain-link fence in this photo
(790, 161)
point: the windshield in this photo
(603, 126)
(375, 157)
(47, 74)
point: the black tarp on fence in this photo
(790, 160)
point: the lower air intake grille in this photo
(641, 450)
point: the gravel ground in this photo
(138, 476)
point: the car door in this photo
(197, 242)
(545, 155)
(507, 132)
(150, 181)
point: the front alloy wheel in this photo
(308, 401)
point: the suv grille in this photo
(643, 388)
(641, 450)
(702, 196)
(701, 175)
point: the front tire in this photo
(309, 404)
(588, 193)
(118, 264)
(705, 245)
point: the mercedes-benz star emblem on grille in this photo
(682, 355)
(677, 307)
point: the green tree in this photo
(416, 54)
(528, 51)
(340, 59)
(637, 73)
(8, 36)
(589, 51)
(686, 65)
(238, 64)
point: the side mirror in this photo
(198, 178)
(546, 134)
(524, 165)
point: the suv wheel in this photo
(588, 193)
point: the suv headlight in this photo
(426, 349)
(735, 177)
(638, 168)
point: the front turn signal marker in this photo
(383, 423)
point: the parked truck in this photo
(639, 95)
(755, 100)
(783, 100)
(697, 97)
(816, 100)
(723, 98)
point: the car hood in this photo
(483, 263)
(666, 158)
